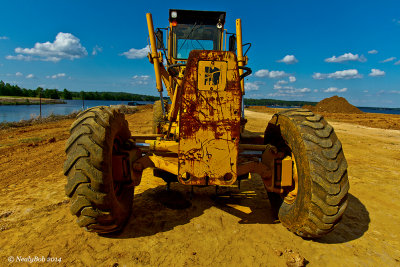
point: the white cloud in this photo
(334, 89)
(30, 76)
(288, 91)
(377, 73)
(365, 91)
(277, 74)
(19, 57)
(281, 82)
(373, 51)
(18, 74)
(3, 38)
(341, 74)
(273, 74)
(144, 77)
(303, 90)
(346, 57)
(65, 46)
(261, 73)
(251, 86)
(288, 59)
(397, 63)
(97, 49)
(55, 76)
(257, 95)
(388, 60)
(140, 79)
(136, 53)
(395, 92)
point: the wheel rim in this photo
(119, 168)
(291, 195)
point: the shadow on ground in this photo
(157, 210)
(355, 222)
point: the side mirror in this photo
(232, 43)
(159, 39)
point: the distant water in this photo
(364, 109)
(25, 112)
(380, 110)
(9, 113)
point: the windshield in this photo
(195, 37)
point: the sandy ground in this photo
(11, 99)
(373, 120)
(232, 229)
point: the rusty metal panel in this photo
(209, 124)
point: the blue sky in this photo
(301, 50)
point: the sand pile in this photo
(334, 104)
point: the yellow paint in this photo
(243, 209)
(239, 46)
(287, 164)
(209, 121)
(204, 118)
(154, 55)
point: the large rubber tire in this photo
(158, 119)
(322, 172)
(101, 203)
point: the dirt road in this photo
(233, 229)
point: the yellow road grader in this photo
(199, 139)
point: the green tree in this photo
(66, 94)
(39, 91)
(53, 94)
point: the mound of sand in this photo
(334, 104)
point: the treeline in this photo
(7, 89)
(275, 102)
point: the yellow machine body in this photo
(200, 141)
(209, 123)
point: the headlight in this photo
(174, 14)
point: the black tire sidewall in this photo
(294, 215)
(120, 207)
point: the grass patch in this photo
(28, 103)
(11, 100)
(38, 120)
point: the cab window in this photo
(195, 37)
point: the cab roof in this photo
(197, 17)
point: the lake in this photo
(24, 112)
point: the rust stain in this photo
(209, 121)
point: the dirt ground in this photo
(374, 120)
(234, 228)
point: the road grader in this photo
(199, 139)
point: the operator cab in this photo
(195, 30)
